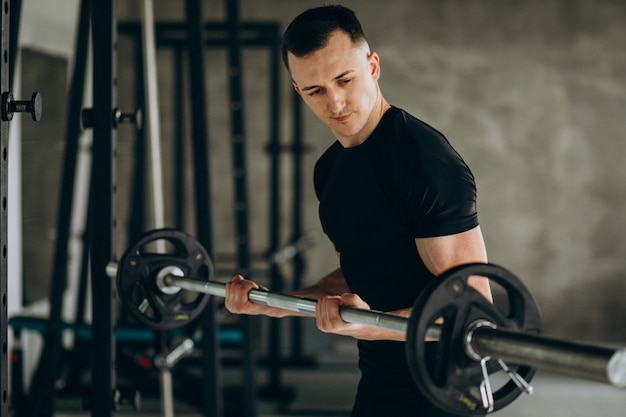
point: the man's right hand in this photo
(237, 301)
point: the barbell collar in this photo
(590, 362)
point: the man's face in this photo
(339, 84)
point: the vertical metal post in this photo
(298, 260)
(274, 388)
(179, 146)
(76, 96)
(103, 187)
(15, 13)
(4, 134)
(80, 167)
(212, 388)
(151, 106)
(137, 222)
(241, 192)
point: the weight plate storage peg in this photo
(459, 380)
(141, 274)
(9, 106)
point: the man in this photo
(397, 202)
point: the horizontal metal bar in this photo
(585, 361)
(515, 347)
(305, 306)
(591, 362)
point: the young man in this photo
(397, 202)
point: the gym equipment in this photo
(151, 103)
(5, 85)
(452, 384)
(9, 30)
(148, 298)
(165, 363)
(478, 341)
(10, 106)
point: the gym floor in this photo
(329, 391)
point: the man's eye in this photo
(314, 92)
(346, 81)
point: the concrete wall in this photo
(532, 93)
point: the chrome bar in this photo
(579, 360)
(306, 306)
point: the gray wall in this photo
(532, 93)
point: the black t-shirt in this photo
(404, 182)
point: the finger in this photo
(327, 313)
(237, 293)
(353, 300)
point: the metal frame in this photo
(4, 133)
(212, 384)
(241, 203)
(103, 188)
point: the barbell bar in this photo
(170, 280)
(476, 338)
(586, 361)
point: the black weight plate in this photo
(452, 381)
(137, 272)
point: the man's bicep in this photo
(444, 252)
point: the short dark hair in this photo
(310, 30)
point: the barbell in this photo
(487, 353)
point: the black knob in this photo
(10, 106)
(134, 118)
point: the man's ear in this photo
(295, 86)
(374, 62)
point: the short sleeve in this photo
(446, 204)
(440, 189)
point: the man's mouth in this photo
(342, 118)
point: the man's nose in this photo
(336, 101)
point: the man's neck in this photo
(377, 113)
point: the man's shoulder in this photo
(411, 126)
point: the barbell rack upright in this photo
(4, 171)
(212, 388)
(103, 186)
(241, 203)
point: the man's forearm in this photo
(332, 284)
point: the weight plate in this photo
(136, 280)
(451, 379)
